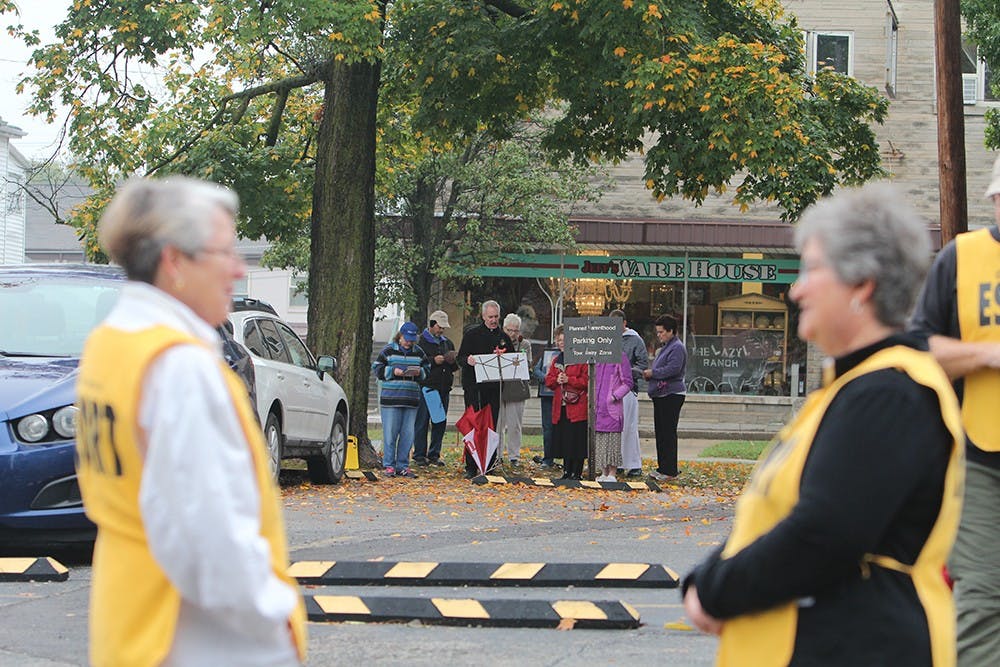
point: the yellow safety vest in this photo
(133, 606)
(767, 638)
(977, 285)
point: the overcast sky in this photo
(42, 15)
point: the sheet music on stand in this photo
(497, 367)
(507, 366)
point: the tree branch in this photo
(275, 125)
(281, 87)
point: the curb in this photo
(596, 615)
(648, 485)
(32, 569)
(580, 575)
(361, 475)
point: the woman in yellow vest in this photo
(190, 558)
(839, 540)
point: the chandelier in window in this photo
(589, 296)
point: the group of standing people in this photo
(415, 371)
(616, 405)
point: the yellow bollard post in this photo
(351, 460)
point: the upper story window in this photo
(977, 78)
(891, 49)
(830, 51)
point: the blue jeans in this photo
(397, 436)
(546, 428)
(420, 448)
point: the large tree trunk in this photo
(342, 262)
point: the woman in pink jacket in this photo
(611, 383)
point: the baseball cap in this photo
(409, 331)
(994, 188)
(440, 317)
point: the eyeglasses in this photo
(229, 252)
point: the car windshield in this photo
(52, 315)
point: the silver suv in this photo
(302, 408)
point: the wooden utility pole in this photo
(951, 119)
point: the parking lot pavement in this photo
(407, 520)
(448, 521)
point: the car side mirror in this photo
(326, 364)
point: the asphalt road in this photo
(443, 519)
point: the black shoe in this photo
(576, 477)
(469, 474)
(538, 459)
(420, 460)
(634, 472)
(435, 462)
(566, 475)
(620, 470)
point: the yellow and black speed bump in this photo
(593, 615)
(32, 569)
(361, 474)
(580, 575)
(645, 485)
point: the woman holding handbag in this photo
(569, 411)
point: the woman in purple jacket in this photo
(667, 389)
(611, 383)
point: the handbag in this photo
(570, 396)
(514, 391)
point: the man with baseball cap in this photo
(441, 353)
(959, 310)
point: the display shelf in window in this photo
(762, 322)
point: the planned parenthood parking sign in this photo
(596, 339)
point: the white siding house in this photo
(13, 167)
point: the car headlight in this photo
(64, 421)
(33, 428)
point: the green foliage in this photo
(463, 204)
(218, 90)
(982, 21)
(735, 449)
(713, 91)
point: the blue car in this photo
(46, 313)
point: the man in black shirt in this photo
(485, 338)
(442, 357)
(959, 309)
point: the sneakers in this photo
(515, 462)
(537, 459)
(405, 472)
(605, 478)
(389, 471)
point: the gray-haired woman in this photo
(838, 545)
(190, 558)
(514, 395)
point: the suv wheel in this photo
(272, 438)
(327, 467)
